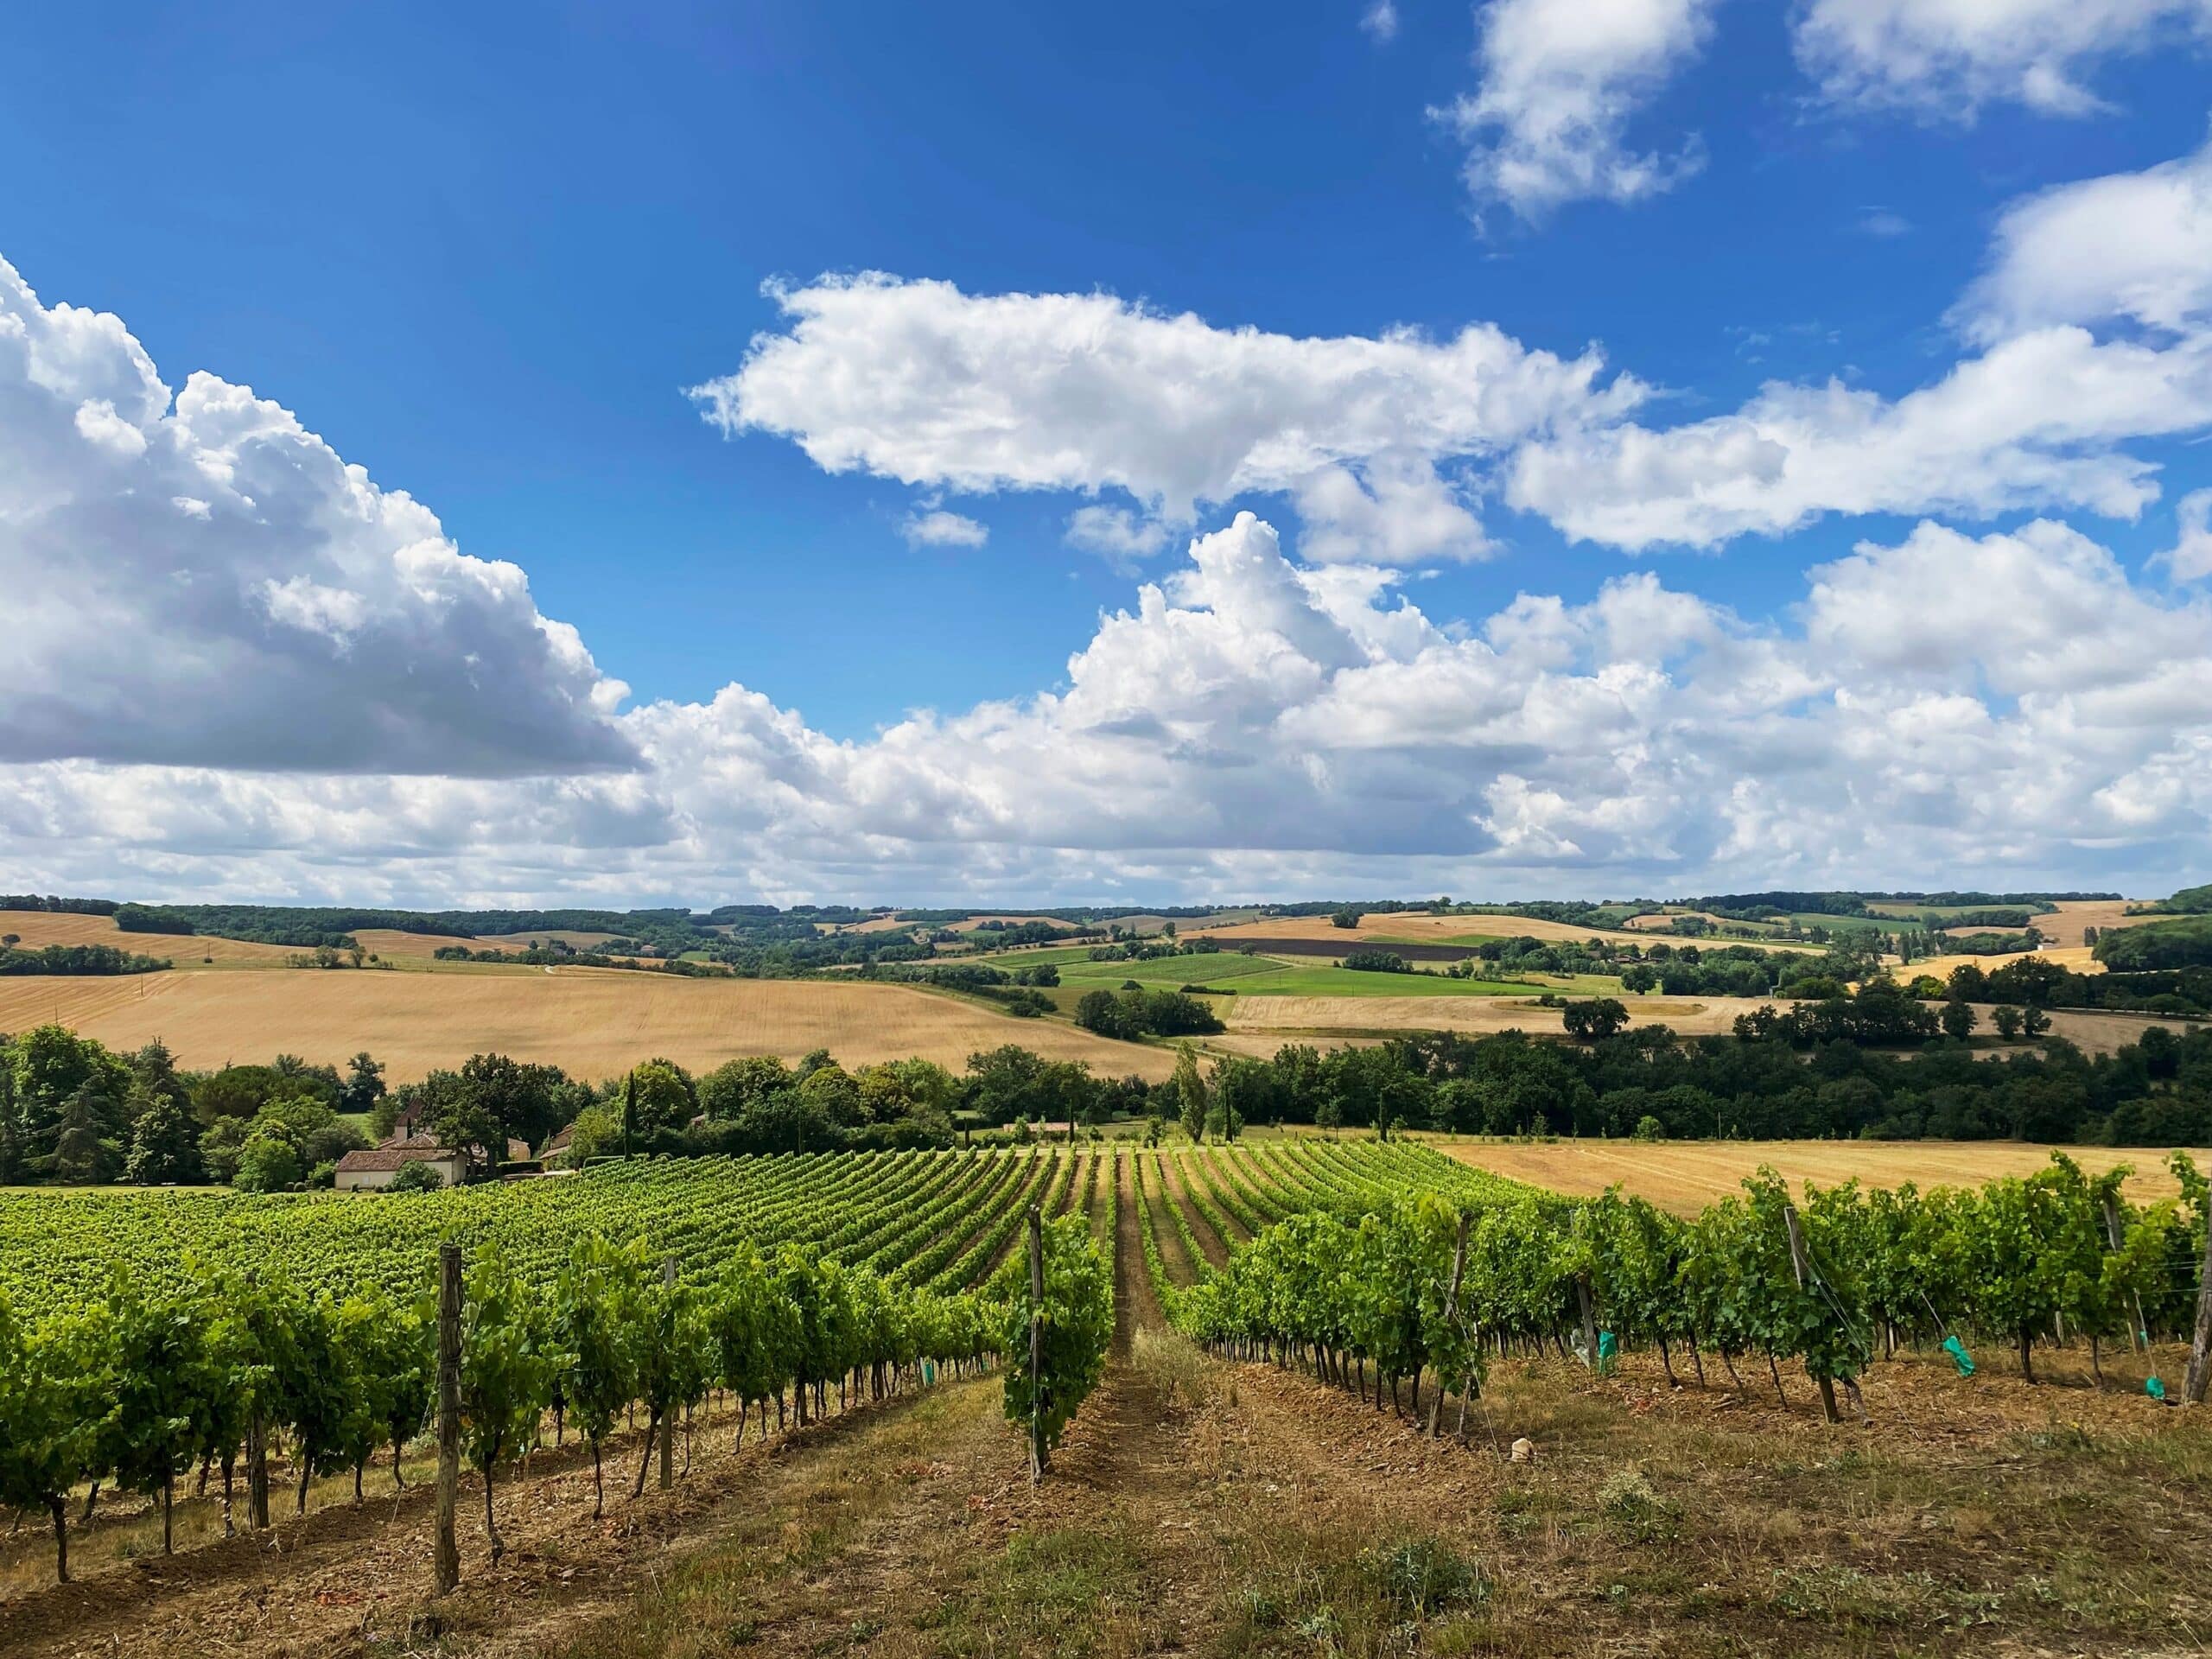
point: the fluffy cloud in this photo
(919, 382)
(2133, 247)
(2096, 316)
(1560, 80)
(200, 580)
(1387, 447)
(2035, 422)
(935, 527)
(1380, 20)
(1946, 703)
(1945, 58)
(2190, 559)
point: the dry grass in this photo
(1364, 1015)
(392, 942)
(39, 928)
(2074, 956)
(591, 1022)
(1684, 1176)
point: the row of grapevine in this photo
(1414, 1271)
(328, 1349)
(59, 1247)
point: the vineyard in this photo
(667, 1313)
(145, 1334)
(1436, 1282)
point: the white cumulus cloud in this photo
(1562, 80)
(2133, 247)
(1945, 60)
(1942, 704)
(936, 527)
(200, 580)
(2190, 559)
(919, 382)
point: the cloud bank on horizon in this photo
(237, 664)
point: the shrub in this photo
(417, 1178)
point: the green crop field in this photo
(1261, 975)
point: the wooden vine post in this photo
(1450, 1312)
(446, 1566)
(1037, 1455)
(667, 1427)
(2200, 1350)
(1589, 1307)
(1801, 1263)
(2139, 1334)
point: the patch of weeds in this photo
(743, 1634)
(1176, 1368)
(1055, 1591)
(1261, 1607)
(1844, 1595)
(1322, 1625)
(1461, 1635)
(1424, 1577)
(2067, 1440)
(1635, 1511)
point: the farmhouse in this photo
(379, 1167)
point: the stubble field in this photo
(591, 1022)
(1684, 1176)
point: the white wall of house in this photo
(366, 1179)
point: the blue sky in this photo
(482, 251)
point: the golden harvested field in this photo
(1701, 1016)
(1683, 1176)
(1275, 1018)
(1654, 921)
(391, 942)
(592, 1023)
(42, 927)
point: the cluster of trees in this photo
(612, 953)
(1005, 935)
(1160, 948)
(1134, 1013)
(2154, 945)
(1428, 1284)
(1017, 990)
(1376, 962)
(73, 1111)
(2156, 1091)
(77, 960)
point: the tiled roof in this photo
(393, 1158)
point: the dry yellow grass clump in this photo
(591, 1022)
(1684, 1176)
